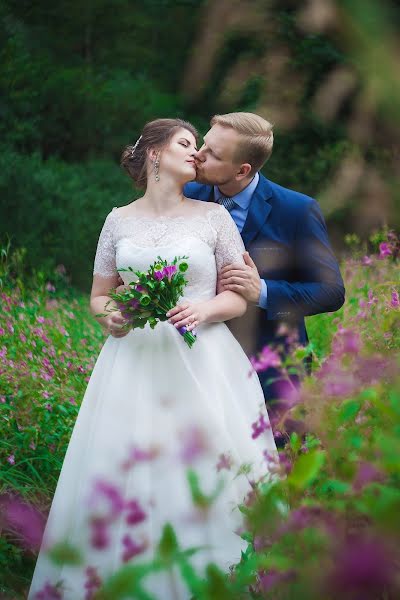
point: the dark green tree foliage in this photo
(79, 80)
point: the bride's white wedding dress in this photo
(154, 408)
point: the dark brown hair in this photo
(155, 134)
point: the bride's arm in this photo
(99, 298)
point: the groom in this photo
(290, 270)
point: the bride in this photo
(156, 413)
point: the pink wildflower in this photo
(11, 459)
(50, 287)
(48, 406)
(40, 319)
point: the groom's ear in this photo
(244, 171)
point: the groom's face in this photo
(215, 159)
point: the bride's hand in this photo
(187, 314)
(113, 323)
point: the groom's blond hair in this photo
(257, 138)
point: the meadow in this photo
(327, 528)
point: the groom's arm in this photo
(320, 286)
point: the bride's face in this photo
(177, 159)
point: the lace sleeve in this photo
(104, 261)
(229, 245)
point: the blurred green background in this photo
(79, 80)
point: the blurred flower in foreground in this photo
(265, 359)
(23, 519)
(363, 569)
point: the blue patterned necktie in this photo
(229, 203)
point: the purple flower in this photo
(273, 577)
(11, 459)
(194, 444)
(137, 455)
(49, 592)
(112, 494)
(93, 582)
(224, 462)
(26, 520)
(265, 359)
(259, 426)
(366, 474)
(346, 341)
(135, 513)
(169, 271)
(100, 537)
(395, 301)
(384, 250)
(159, 275)
(366, 261)
(132, 548)
(363, 568)
(134, 303)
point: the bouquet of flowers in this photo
(152, 295)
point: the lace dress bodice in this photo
(210, 240)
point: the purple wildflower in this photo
(11, 459)
(93, 582)
(273, 577)
(363, 568)
(224, 462)
(259, 426)
(100, 537)
(132, 548)
(49, 592)
(135, 513)
(366, 261)
(384, 250)
(112, 494)
(194, 444)
(365, 475)
(395, 301)
(26, 520)
(265, 359)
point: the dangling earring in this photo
(157, 168)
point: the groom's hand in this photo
(243, 279)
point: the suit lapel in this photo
(258, 211)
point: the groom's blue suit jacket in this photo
(286, 236)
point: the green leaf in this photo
(348, 410)
(306, 468)
(168, 545)
(65, 553)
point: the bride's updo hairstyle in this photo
(156, 134)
